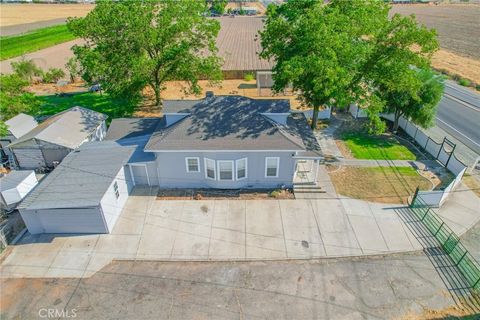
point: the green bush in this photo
(275, 193)
(477, 87)
(464, 82)
(249, 77)
(26, 69)
(53, 75)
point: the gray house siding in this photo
(29, 156)
(172, 172)
(69, 220)
(110, 205)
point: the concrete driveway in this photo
(217, 230)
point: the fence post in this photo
(415, 195)
(441, 147)
(426, 144)
(439, 229)
(415, 135)
(450, 156)
(461, 258)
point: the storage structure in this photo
(49, 142)
(15, 186)
(84, 194)
(16, 128)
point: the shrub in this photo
(275, 193)
(249, 77)
(53, 75)
(26, 69)
(477, 87)
(464, 82)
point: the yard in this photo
(377, 184)
(114, 108)
(14, 46)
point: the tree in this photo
(14, 99)
(73, 69)
(26, 69)
(218, 6)
(420, 105)
(319, 48)
(133, 44)
(398, 71)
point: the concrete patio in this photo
(217, 230)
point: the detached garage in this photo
(84, 194)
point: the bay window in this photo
(225, 169)
(210, 169)
(241, 165)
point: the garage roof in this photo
(13, 179)
(81, 179)
(20, 124)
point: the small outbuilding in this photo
(83, 194)
(15, 186)
(16, 128)
(50, 141)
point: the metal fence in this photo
(449, 241)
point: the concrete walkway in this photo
(417, 164)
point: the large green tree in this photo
(133, 44)
(349, 51)
(398, 71)
(15, 99)
(319, 48)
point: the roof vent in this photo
(209, 94)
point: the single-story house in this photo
(49, 142)
(226, 142)
(15, 186)
(85, 193)
(17, 127)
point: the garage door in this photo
(71, 220)
(140, 175)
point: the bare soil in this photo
(215, 194)
(473, 183)
(375, 185)
(13, 14)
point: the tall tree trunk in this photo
(396, 120)
(156, 89)
(315, 117)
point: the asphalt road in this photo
(459, 114)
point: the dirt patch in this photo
(216, 194)
(453, 312)
(13, 14)
(472, 183)
(46, 89)
(237, 5)
(454, 64)
(377, 184)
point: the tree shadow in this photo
(456, 284)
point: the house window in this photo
(193, 164)
(271, 167)
(115, 190)
(209, 169)
(225, 170)
(241, 168)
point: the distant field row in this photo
(14, 46)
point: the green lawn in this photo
(14, 46)
(114, 108)
(377, 147)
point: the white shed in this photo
(57, 136)
(84, 194)
(16, 128)
(15, 186)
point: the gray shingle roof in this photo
(225, 123)
(81, 179)
(68, 128)
(20, 124)
(13, 179)
(133, 132)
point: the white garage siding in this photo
(69, 220)
(112, 206)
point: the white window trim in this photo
(218, 169)
(246, 168)
(205, 160)
(278, 166)
(186, 164)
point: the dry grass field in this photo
(458, 32)
(12, 14)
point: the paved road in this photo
(459, 115)
(26, 27)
